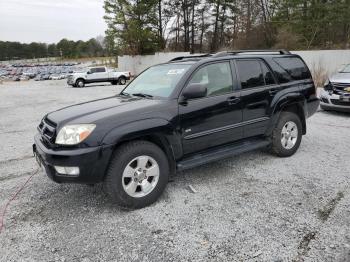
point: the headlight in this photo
(328, 86)
(74, 134)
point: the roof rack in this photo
(236, 52)
(189, 57)
(225, 53)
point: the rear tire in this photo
(137, 175)
(287, 134)
(122, 80)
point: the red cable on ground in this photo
(13, 198)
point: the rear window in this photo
(294, 67)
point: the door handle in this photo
(273, 91)
(233, 100)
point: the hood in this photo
(102, 109)
(340, 78)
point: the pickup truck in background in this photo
(97, 75)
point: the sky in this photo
(48, 21)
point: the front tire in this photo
(80, 83)
(287, 134)
(137, 175)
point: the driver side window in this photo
(216, 77)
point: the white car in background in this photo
(97, 75)
(55, 77)
(336, 92)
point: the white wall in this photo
(136, 64)
(329, 60)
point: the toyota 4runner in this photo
(179, 115)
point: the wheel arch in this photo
(157, 131)
(122, 77)
(80, 78)
(292, 103)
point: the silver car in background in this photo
(336, 92)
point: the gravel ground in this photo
(254, 207)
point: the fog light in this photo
(67, 170)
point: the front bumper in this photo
(92, 162)
(333, 102)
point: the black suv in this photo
(178, 115)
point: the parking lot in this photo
(38, 72)
(253, 207)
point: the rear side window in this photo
(294, 66)
(268, 77)
(250, 73)
(100, 70)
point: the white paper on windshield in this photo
(175, 71)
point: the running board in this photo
(221, 152)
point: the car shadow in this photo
(334, 112)
(90, 85)
(84, 198)
(98, 85)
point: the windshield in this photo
(346, 69)
(157, 80)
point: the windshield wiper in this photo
(142, 95)
(124, 94)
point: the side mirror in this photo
(195, 91)
(89, 72)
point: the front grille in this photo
(340, 86)
(324, 100)
(339, 102)
(47, 129)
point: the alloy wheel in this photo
(140, 176)
(289, 135)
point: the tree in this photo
(133, 25)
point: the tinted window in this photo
(294, 66)
(216, 77)
(268, 77)
(281, 74)
(100, 70)
(250, 73)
